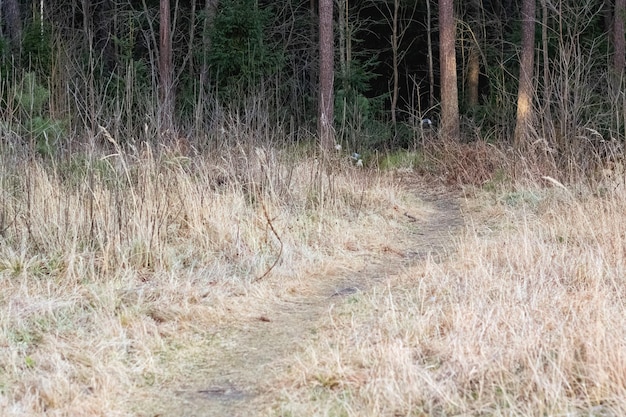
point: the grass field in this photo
(111, 262)
(115, 266)
(527, 318)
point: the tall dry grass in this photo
(113, 261)
(528, 318)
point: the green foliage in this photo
(402, 160)
(37, 47)
(186, 97)
(268, 51)
(499, 180)
(32, 98)
(46, 133)
(407, 136)
(240, 54)
(352, 107)
(130, 84)
(359, 75)
(5, 60)
(133, 65)
(521, 198)
(358, 115)
(80, 168)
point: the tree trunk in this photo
(619, 43)
(431, 69)
(526, 88)
(343, 26)
(473, 59)
(547, 88)
(13, 22)
(473, 75)
(104, 34)
(190, 41)
(314, 45)
(210, 9)
(326, 49)
(394, 50)
(166, 94)
(450, 124)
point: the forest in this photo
(69, 67)
(312, 208)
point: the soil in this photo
(229, 381)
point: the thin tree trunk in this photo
(342, 42)
(190, 40)
(619, 43)
(41, 4)
(473, 76)
(619, 16)
(547, 92)
(343, 57)
(348, 37)
(473, 59)
(450, 123)
(166, 94)
(90, 82)
(326, 107)
(104, 33)
(314, 71)
(394, 50)
(87, 25)
(210, 9)
(431, 67)
(526, 88)
(13, 21)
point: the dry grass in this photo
(528, 318)
(118, 272)
(113, 264)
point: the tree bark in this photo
(619, 43)
(314, 77)
(526, 88)
(166, 94)
(394, 50)
(431, 69)
(210, 9)
(547, 88)
(104, 34)
(13, 21)
(473, 59)
(326, 74)
(342, 29)
(473, 76)
(450, 124)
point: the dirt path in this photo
(230, 382)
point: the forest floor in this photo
(235, 373)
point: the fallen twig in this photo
(280, 252)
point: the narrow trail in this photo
(230, 382)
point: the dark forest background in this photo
(70, 68)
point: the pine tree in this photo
(450, 123)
